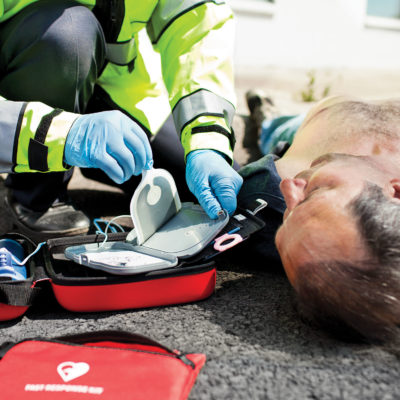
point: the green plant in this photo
(308, 94)
(327, 90)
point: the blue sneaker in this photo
(11, 254)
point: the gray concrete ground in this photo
(257, 347)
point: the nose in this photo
(293, 191)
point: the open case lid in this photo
(163, 223)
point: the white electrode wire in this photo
(29, 256)
(108, 225)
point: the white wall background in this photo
(312, 34)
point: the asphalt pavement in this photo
(256, 344)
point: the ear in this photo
(395, 189)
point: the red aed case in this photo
(104, 365)
(82, 289)
(79, 288)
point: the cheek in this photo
(286, 214)
(289, 266)
(286, 249)
(297, 246)
(280, 238)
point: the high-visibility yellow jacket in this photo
(163, 56)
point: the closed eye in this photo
(309, 195)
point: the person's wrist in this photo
(199, 152)
(224, 156)
(72, 147)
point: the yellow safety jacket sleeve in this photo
(195, 40)
(32, 136)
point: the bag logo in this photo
(69, 370)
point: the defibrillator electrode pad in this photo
(165, 229)
(154, 202)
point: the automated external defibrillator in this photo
(165, 230)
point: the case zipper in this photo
(93, 337)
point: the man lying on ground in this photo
(334, 204)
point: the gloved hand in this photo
(110, 141)
(213, 181)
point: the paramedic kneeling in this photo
(165, 65)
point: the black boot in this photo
(60, 219)
(261, 107)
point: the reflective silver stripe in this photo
(121, 53)
(9, 119)
(166, 12)
(199, 103)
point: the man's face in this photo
(318, 225)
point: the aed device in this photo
(165, 231)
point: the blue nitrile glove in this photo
(110, 141)
(213, 181)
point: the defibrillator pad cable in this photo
(108, 226)
(23, 262)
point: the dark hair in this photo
(362, 296)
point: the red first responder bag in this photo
(104, 365)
